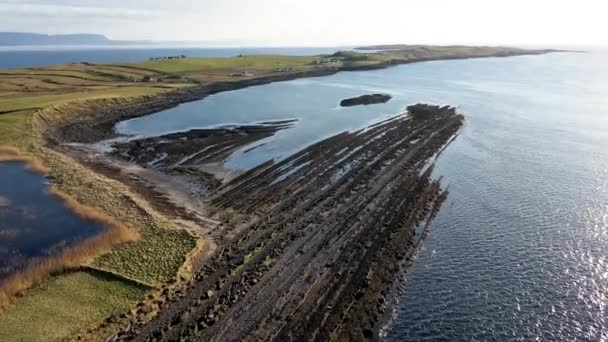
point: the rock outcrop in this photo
(365, 100)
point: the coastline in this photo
(93, 120)
(100, 116)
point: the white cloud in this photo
(44, 11)
(319, 22)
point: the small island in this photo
(366, 100)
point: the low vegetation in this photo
(222, 69)
(63, 306)
(154, 259)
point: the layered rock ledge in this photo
(316, 240)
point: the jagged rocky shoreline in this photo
(317, 241)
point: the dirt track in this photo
(317, 238)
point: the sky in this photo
(319, 22)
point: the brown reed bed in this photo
(9, 153)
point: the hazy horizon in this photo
(316, 23)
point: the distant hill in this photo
(19, 38)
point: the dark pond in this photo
(33, 223)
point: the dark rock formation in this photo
(365, 100)
(423, 111)
(196, 147)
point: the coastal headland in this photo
(303, 249)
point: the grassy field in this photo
(14, 127)
(42, 101)
(141, 260)
(61, 307)
(16, 122)
(225, 66)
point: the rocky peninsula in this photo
(317, 241)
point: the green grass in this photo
(154, 259)
(34, 72)
(77, 73)
(41, 101)
(60, 307)
(249, 256)
(107, 71)
(254, 62)
(15, 127)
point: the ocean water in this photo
(36, 56)
(519, 250)
(33, 223)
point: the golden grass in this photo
(9, 158)
(10, 153)
(85, 212)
